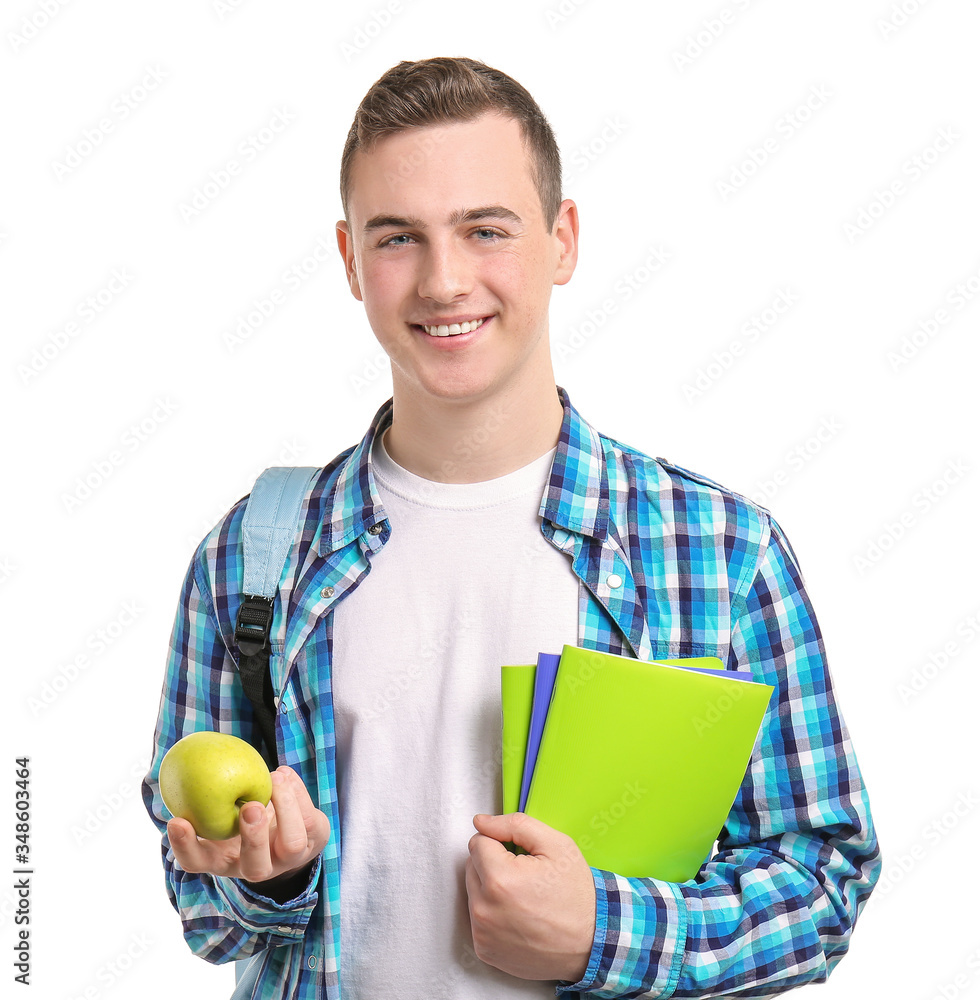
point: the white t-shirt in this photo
(465, 583)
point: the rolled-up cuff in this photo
(285, 922)
(639, 939)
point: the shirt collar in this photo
(576, 497)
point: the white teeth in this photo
(453, 328)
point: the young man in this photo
(482, 519)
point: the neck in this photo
(471, 441)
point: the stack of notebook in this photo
(638, 762)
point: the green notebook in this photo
(639, 762)
(516, 697)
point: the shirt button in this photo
(311, 961)
(376, 529)
(614, 580)
(327, 592)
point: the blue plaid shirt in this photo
(704, 572)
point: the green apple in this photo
(207, 777)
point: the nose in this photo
(445, 272)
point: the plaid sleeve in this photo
(223, 918)
(774, 907)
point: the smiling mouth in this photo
(452, 329)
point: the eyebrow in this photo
(458, 216)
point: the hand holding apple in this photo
(207, 777)
(276, 841)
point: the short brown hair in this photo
(453, 89)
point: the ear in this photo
(566, 232)
(345, 244)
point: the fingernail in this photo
(252, 813)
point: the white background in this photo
(866, 457)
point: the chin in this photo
(459, 389)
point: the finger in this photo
(286, 776)
(485, 855)
(315, 822)
(195, 855)
(300, 791)
(255, 861)
(474, 887)
(290, 842)
(183, 842)
(525, 831)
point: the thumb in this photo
(520, 829)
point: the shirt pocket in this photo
(686, 649)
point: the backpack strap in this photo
(269, 531)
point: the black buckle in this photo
(253, 625)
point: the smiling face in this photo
(447, 249)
